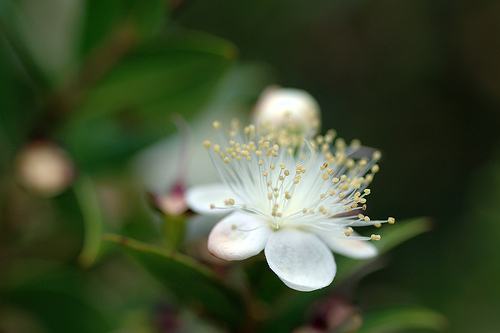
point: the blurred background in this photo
(103, 101)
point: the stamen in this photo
(327, 190)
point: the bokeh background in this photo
(104, 81)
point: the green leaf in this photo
(190, 282)
(102, 19)
(58, 302)
(399, 233)
(392, 236)
(290, 310)
(399, 319)
(93, 221)
(132, 105)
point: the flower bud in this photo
(44, 168)
(172, 203)
(293, 109)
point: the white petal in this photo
(353, 246)
(199, 198)
(300, 259)
(238, 236)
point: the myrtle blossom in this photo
(294, 197)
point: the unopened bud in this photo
(293, 109)
(44, 168)
(172, 203)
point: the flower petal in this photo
(300, 259)
(238, 236)
(199, 198)
(352, 246)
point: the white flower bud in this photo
(291, 108)
(44, 168)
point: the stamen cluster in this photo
(290, 180)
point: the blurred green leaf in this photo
(402, 231)
(402, 319)
(187, 280)
(392, 236)
(16, 97)
(289, 311)
(42, 34)
(133, 104)
(58, 301)
(92, 217)
(102, 19)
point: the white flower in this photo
(294, 109)
(294, 201)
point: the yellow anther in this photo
(375, 237)
(375, 168)
(300, 169)
(366, 219)
(367, 191)
(377, 155)
(391, 220)
(335, 180)
(207, 143)
(355, 143)
(340, 144)
(216, 148)
(229, 202)
(348, 231)
(377, 225)
(216, 124)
